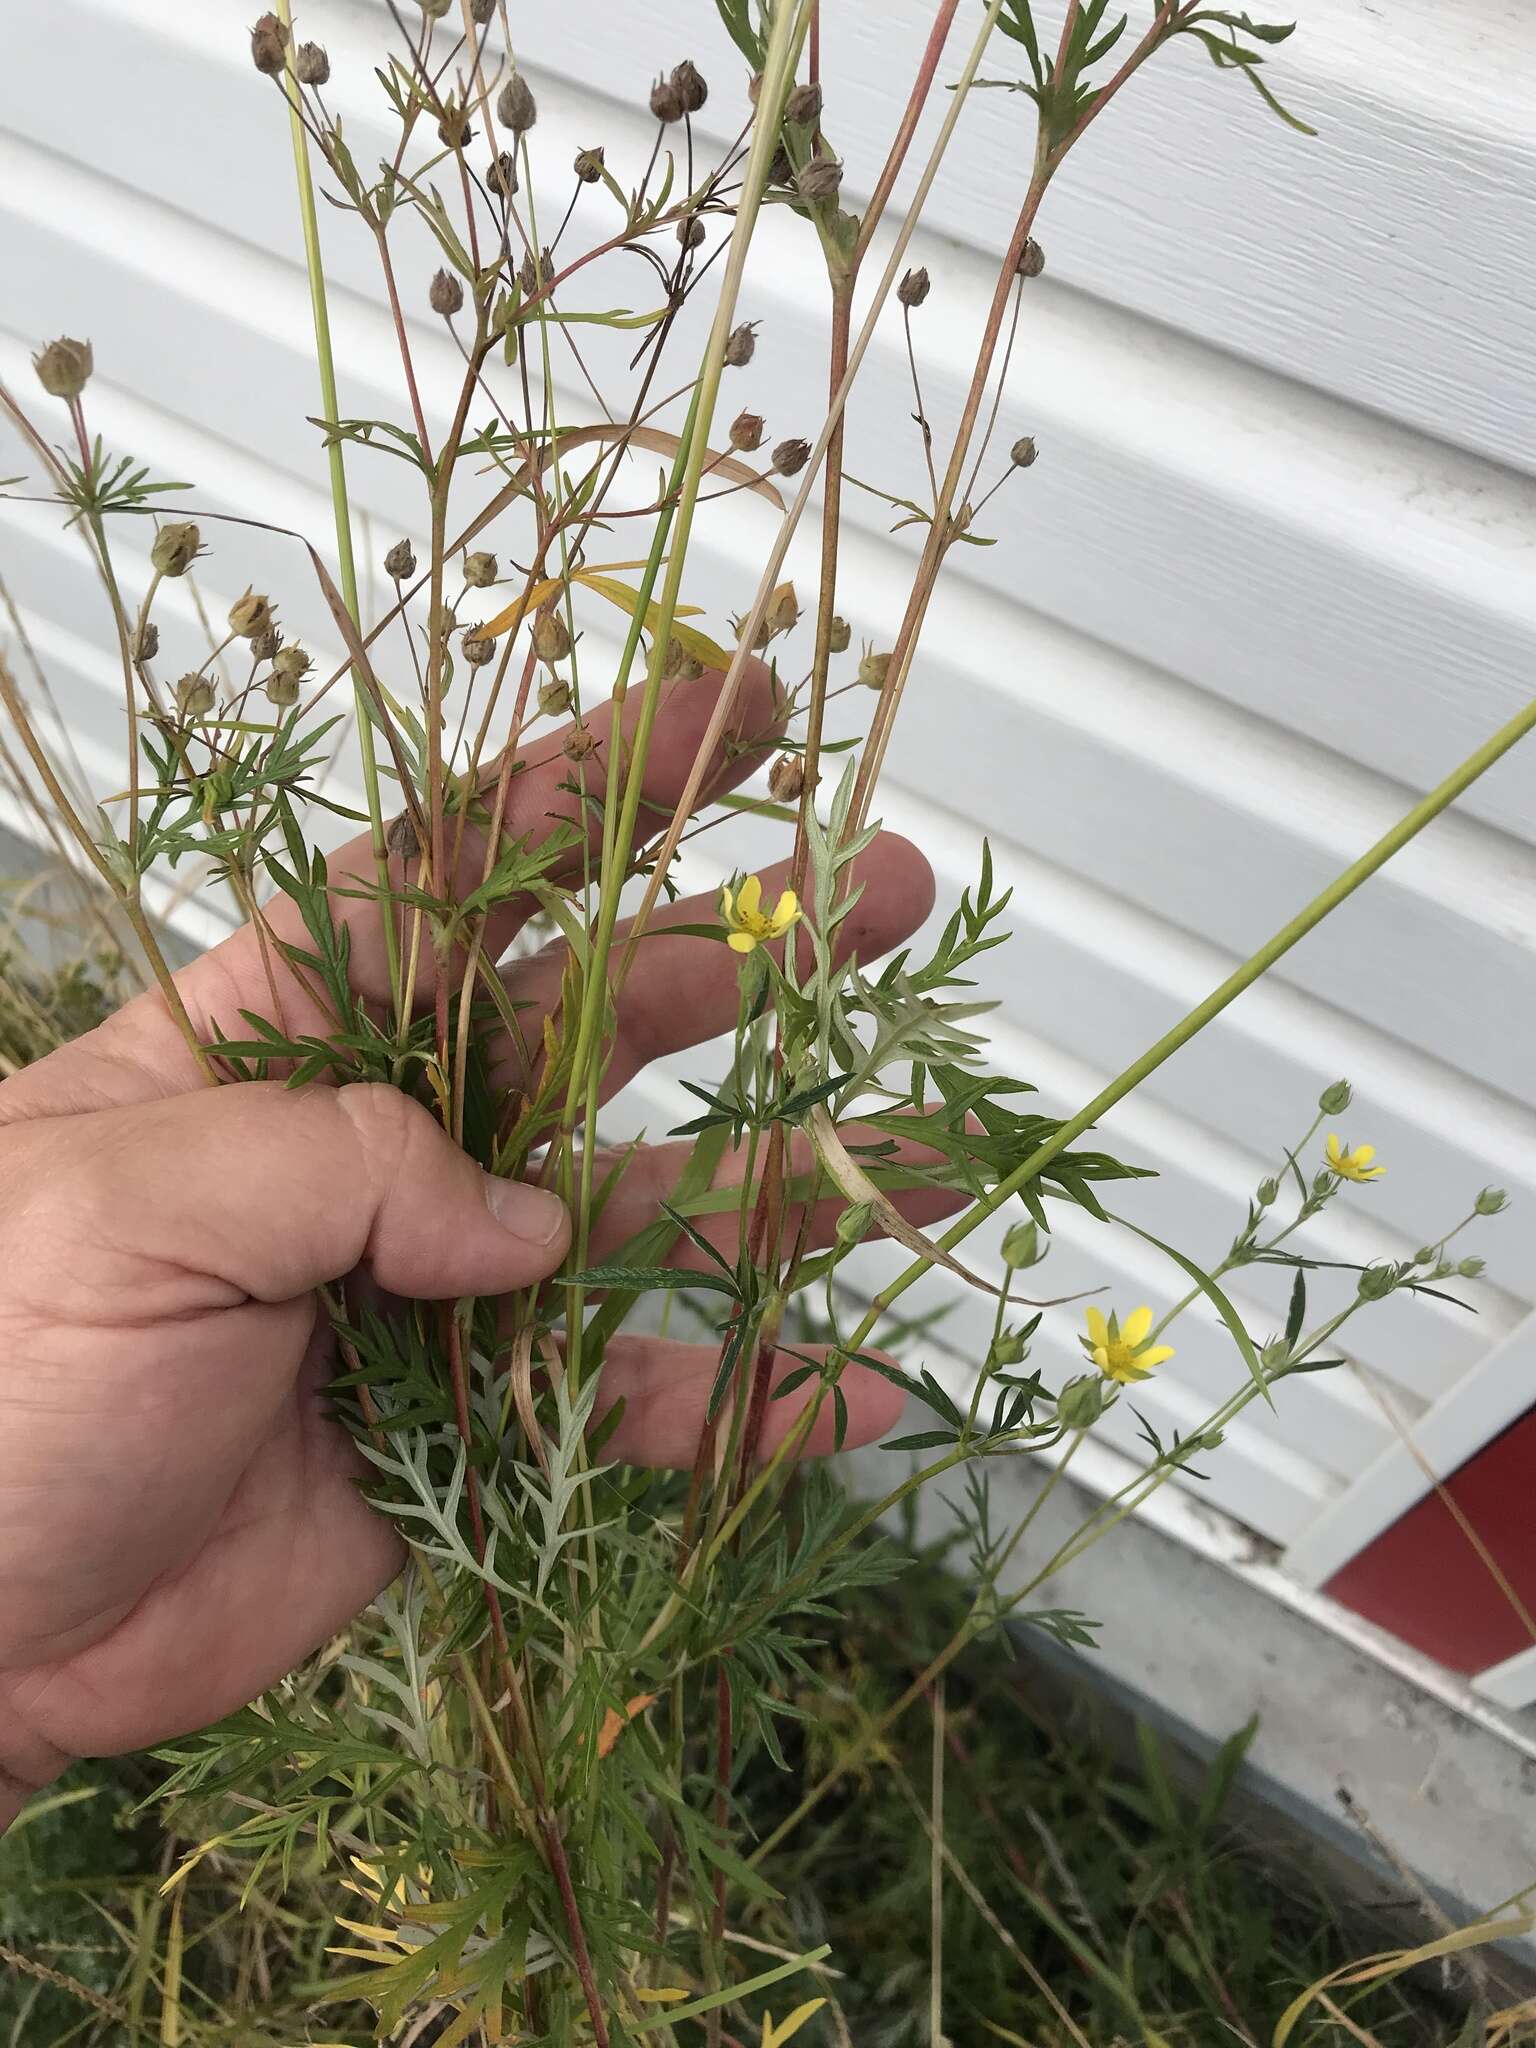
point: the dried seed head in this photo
(446, 294)
(175, 547)
(454, 130)
(551, 641)
(747, 431)
(401, 837)
(194, 696)
(554, 698)
(691, 232)
(913, 288)
(400, 562)
(680, 665)
(790, 457)
(282, 690)
(819, 180)
(292, 664)
(803, 106)
(311, 65)
(265, 645)
(536, 271)
(477, 647)
(840, 635)
(873, 669)
(780, 170)
(516, 107)
(689, 86)
(783, 613)
(786, 778)
(580, 742)
(740, 345)
(1031, 259)
(269, 40)
(482, 11)
(146, 641)
(434, 10)
(64, 367)
(479, 570)
(666, 101)
(1023, 451)
(250, 615)
(501, 174)
(589, 165)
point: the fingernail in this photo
(533, 1214)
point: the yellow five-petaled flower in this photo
(1352, 1162)
(1123, 1354)
(747, 923)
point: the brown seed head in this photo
(292, 664)
(269, 40)
(64, 367)
(501, 174)
(551, 641)
(589, 165)
(311, 65)
(146, 641)
(783, 611)
(1023, 451)
(401, 837)
(913, 288)
(454, 130)
(839, 636)
(282, 690)
(477, 647)
(250, 615)
(194, 696)
(790, 457)
(747, 430)
(446, 294)
(819, 180)
(400, 562)
(691, 232)
(479, 570)
(741, 345)
(535, 272)
(580, 742)
(786, 778)
(265, 645)
(873, 669)
(482, 11)
(554, 698)
(689, 86)
(667, 101)
(680, 665)
(803, 106)
(1032, 259)
(175, 547)
(780, 170)
(516, 107)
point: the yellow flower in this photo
(1352, 1163)
(1123, 1355)
(749, 924)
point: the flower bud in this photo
(689, 86)
(477, 647)
(292, 665)
(554, 698)
(1377, 1282)
(914, 287)
(480, 570)
(194, 696)
(747, 431)
(501, 175)
(740, 344)
(1336, 1099)
(1425, 1255)
(840, 636)
(786, 778)
(790, 457)
(400, 562)
(551, 641)
(873, 669)
(1491, 1201)
(250, 615)
(783, 611)
(175, 547)
(446, 295)
(1470, 1268)
(1268, 1193)
(667, 101)
(691, 232)
(269, 39)
(1023, 451)
(680, 665)
(580, 742)
(64, 367)
(1275, 1354)
(853, 1224)
(803, 106)
(453, 128)
(311, 64)
(1021, 1246)
(589, 166)
(819, 180)
(516, 108)
(1031, 259)
(1080, 1403)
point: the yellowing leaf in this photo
(664, 1994)
(776, 2036)
(698, 644)
(615, 1723)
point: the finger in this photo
(665, 1386)
(265, 1192)
(683, 990)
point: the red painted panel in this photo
(1424, 1582)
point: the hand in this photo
(180, 1522)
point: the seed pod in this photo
(453, 129)
(667, 101)
(1031, 259)
(780, 170)
(282, 690)
(1008, 1347)
(292, 664)
(580, 742)
(64, 367)
(269, 40)
(194, 696)
(1023, 451)
(536, 271)
(786, 778)
(740, 345)
(1268, 1193)
(175, 547)
(913, 288)
(819, 180)
(400, 562)
(873, 669)
(482, 11)
(551, 641)
(265, 645)
(803, 106)
(479, 570)
(680, 666)
(477, 647)
(691, 232)
(1335, 1099)
(446, 295)
(554, 698)
(434, 10)
(689, 86)
(840, 635)
(501, 175)
(1377, 1282)
(589, 166)
(747, 430)
(1080, 1403)
(790, 457)
(146, 641)
(516, 107)
(311, 64)
(250, 615)
(783, 611)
